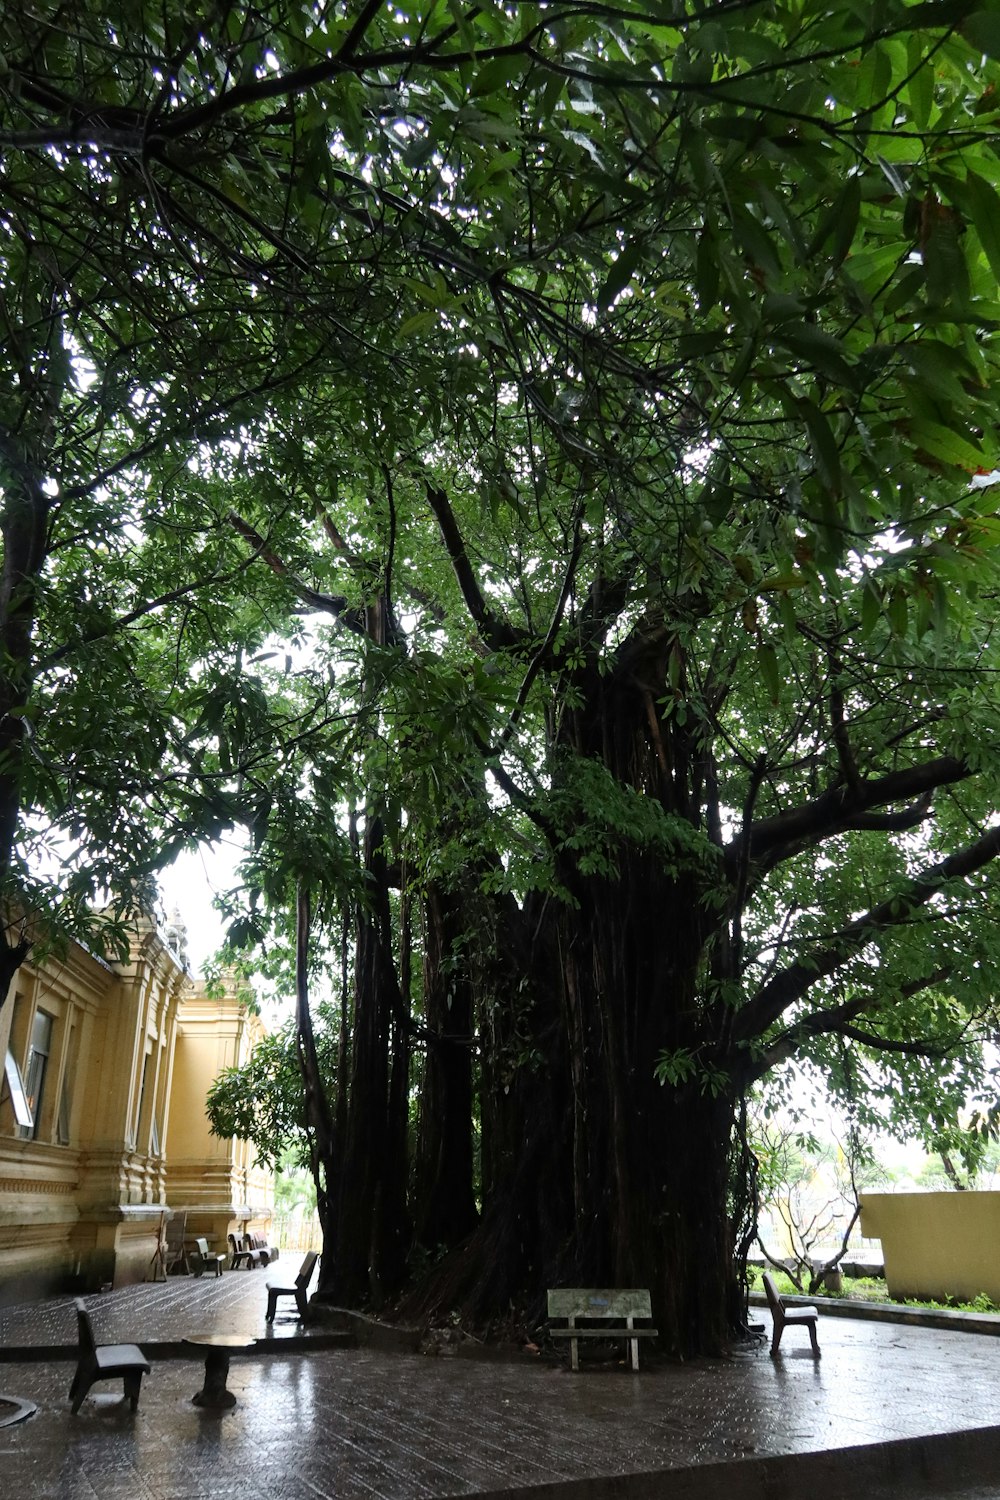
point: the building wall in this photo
(132, 1048)
(217, 1181)
(937, 1245)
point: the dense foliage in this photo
(596, 391)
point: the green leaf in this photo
(871, 608)
(982, 30)
(983, 203)
(823, 444)
(817, 347)
(920, 90)
(948, 446)
(497, 74)
(767, 659)
(788, 616)
(706, 278)
(944, 260)
(839, 223)
(620, 273)
(939, 368)
(417, 323)
(894, 177)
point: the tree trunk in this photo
(651, 1159)
(23, 525)
(608, 1176)
(369, 1212)
(319, 1125)
(445, 1203)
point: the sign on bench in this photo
(607, 1306)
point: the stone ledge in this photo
(953, 1319)
(939, 1464)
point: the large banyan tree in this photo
(612, 405)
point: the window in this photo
(63, 1116)
(147, 1131)
(15, 1087)
(34, 1072)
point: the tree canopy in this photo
(609, 394)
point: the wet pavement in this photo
(889, 1409)
(159, 1315)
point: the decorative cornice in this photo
(22, 1186)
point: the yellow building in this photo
(103, 1133)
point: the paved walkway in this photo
(889, 1410)
(158, 1315)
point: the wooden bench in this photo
(801, 1317)
(605, 1306)
(298, 1291)
(202, 1259)
(104, 1362)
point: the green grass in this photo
(873, 1289)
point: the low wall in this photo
(936, 1245)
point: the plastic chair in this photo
(802, 1317)
(298, 1291)
(104, 1362)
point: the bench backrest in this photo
(599, 1302)
(202, 1247)
(771, 1293)
(306, 1269)
(84, 1328)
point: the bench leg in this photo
(574, 1354)
(776, 1336)
(133, 1383)
(633, 1354)
(814, 1337)
(82, 1381)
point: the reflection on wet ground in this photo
(356, 1422)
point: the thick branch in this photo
(793, 983)
(843, 808)
(927, 1048)
(838, 723)
(330, 604)
(498, 633)
(837, 1022)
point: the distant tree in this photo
(812, 1191)
(966, 1159)
(261, 1101)
(294, 1188)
